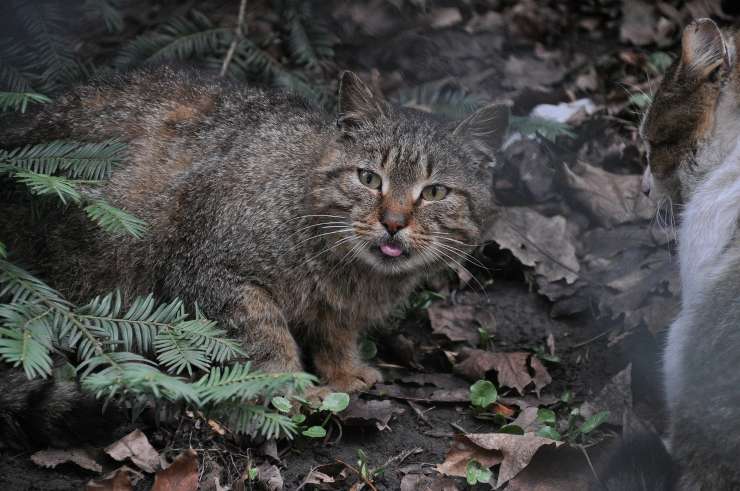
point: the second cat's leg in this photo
(337, 358)
(264, 331)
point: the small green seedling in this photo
(282, 404)
(549, 432)
(485, 338)
(333, 403)
(593, 422)
(476, 473)
(482, 394)
(546, 416)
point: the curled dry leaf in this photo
(135, 446)
(610, 198)
(363, 413)
(269, 475)
(541, 376)
(456, 322)
(84, 458)
(511, 368)
(118, 480)
(181, 475)
(544, 243)
(517, 450)
(463, 451)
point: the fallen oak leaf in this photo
(135, 446)
(463, 451)
(118, 481)
(541, 376)
(181, 475)
(511, 368)
(456, 322)
(517, 450)
(362, 413)
(51, 458)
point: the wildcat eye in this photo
(369, 179)
(435, 192)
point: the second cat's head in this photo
(692, 122)
(408, 189)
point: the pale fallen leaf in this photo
(527, 419)
(269, 475)
(84, 458)
(517, 450)
(563, 112)
(609, 198)
(511, 368)
(461, 452)
(118, 480)
(181, 475)
(135, 446)
(638, 22)
(363, 413)
(456, 322)
(541, 376)
(544, 243)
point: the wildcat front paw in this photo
(354, 379)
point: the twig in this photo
(239, 33)
(591, 466)
(398, 459)
(591, 340)
(364, 479)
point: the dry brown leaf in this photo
(541, 377)
(118, 481)
(363, 413)
(135, 446)
(84, 458)
(420, 394)
(461, 452)
(456, 322)
(610, 198)
(181, 475)
(418, 482)
(511, 368)
(638, 22)
(527, 419)
(544, 243)
(269, 475)
(517, 450)
(615, 397)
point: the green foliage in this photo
(483, 393)
(444, 96)
(475, 473)
(310, 43)
(106, 10)
(314, 432)
(335, 402)
(190, 36)
(19, 101)
(114, 220)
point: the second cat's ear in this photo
(486, 128)
(703, 49)
(357, 103)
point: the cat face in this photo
(408, 189)
(679, 126)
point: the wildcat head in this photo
(409, 189)
(683, 128)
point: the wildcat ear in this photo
(703, 48)
(356, 102)
(486, 128)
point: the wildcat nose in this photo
(393, 221)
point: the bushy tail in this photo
(639, 463)
(46, 412)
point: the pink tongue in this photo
(391, 250)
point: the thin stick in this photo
(239, 33)
(369, 484)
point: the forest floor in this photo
(568, 303)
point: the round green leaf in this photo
(483, 394)
(511, 430)
(594, 422)
(549, 432)
(546, 416)
(475, 473)
(281, 404)
(335, 402)
(368, 349)
(315, 432)
(298, 418)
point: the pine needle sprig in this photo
(19, 101)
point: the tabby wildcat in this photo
(294, 229)
(691, 132)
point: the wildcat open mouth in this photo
(391, 250)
